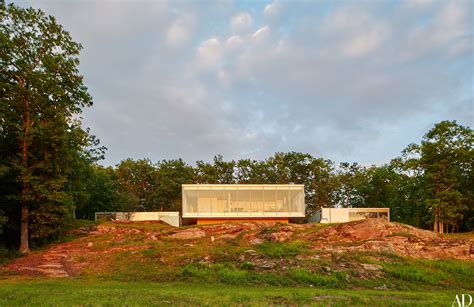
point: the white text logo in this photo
(460, 300)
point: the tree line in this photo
(50, 171)
(430, 185)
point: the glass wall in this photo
(357, 214)
(241, 200)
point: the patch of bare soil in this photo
(54, 262)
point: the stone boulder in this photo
(188, 234)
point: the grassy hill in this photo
(357, 263)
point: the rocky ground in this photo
(196, 244)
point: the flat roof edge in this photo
(241, 216)
(241, 184)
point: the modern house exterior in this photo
(219, 203)
(343, 215)
(171, 218)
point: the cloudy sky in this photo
(345, 80)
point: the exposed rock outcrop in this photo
(382, 236)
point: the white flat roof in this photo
(242, 185)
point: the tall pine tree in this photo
(41, 94)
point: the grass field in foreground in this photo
(15, 292)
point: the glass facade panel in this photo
(204, 199)
(220, 204)
(191, 201)
(233, 201)
(256, 203)
(295, 199)
(243, 200)
(269, 196)
(362, 213)
(356, 216)
(282, 200)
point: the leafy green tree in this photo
(136, 184)
(323, 185)
(410, 182)
(100, 193)
(3, 220)
(171, 174)
(253, 171)
(302, 168)
(41, 92)
(206, 173)
(351, 180)
(447, 155)
(219, 171)
(225, 170)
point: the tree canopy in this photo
(41, 94)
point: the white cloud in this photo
(241, 22)
(346, 18)
(451, 21)
(209, 53)
(418, 5)
(234, 41)
(223, 78)
(362, 44)
(179, 31)
(261, 33)
(272, 10)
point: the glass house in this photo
(343, 215)
(213, 203)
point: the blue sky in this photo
(344, 80)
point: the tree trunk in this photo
(24, 246)
(25, 191)
(436, 221)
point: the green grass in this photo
(413, 273)
(304, 276)
(137, 225)
(460, 235)
(84, 292)
(77, 223)
(282, 250)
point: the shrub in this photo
(7, 254)
(151, 253)
(233, 276)
(196, 271)
(307, 277)
(410, 272)
(453, 266)
(247, 266)
(282, 250)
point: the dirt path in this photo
(51, 263)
